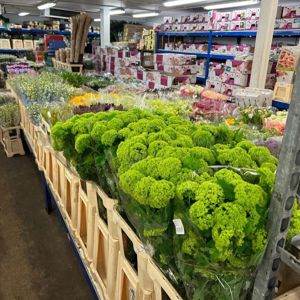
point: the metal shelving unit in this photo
(160, 36)
(41, 31)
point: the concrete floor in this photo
(36, 259)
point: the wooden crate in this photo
(68, 187)
(76, 68)
(86, 218)
(291, 295)
(11, 141)
(106, 244)
(283, 92)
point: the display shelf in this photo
(161, 36)
(277, 33)
(13, 51)
(280, 105)
(42, 31)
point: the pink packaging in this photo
(186, 19)
(252, 13)
(270, 82)
(168, 27)
(168, 20)
(191, 48)
(237, 25)
(244, 50)
(176, 20)
(285, 76)
(152, 75)
(165, 80)
(239, 15)
(177, 70)
(242, 66)
(175, 59)
(219, 49)
(202, 27)
(272, 67)
(214, 74)
(291, 12)
(215, 85)
(152, 85)
(193, 27)
(251, 25)
(141, 75)
(186, 79)
(203, 18)
(235, 78)
(229, 90)
(176, 27)
(222, 26)
(287, 23)
(185, 27)
(215, 16)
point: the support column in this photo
(263, 43)
(105, 26)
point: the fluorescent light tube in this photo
(181, 2)
(46, 5)
(145, 15)
(231, 4)
(117, 12)
(97, 20)
(22, 14)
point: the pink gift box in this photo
(222, 26)
(239, 15)
(237, 25)
(220, 16)
(251, 25)
(291, 12)
(215, 85)
(252, 13)
(241, 66)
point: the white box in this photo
(239, 15)
(215, 85)
(252, 13)
(238, 25)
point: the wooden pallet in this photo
(76, 68)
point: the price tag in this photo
(179, 228)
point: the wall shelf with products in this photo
(41, 31)
(165, 37)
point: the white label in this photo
(179, 228)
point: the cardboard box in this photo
(238, 25)
(285, 76)
(239, 15)
(175, 59)
(288, 58)
(252, 13)
(241, 66)
(17, 44)
(165, 81)
(229, 90)
(215, 85)
(168, 20)
(251, 25)
(291, 12)
(152, 75)
(222, 26)
(5, 44)
(177, 70)
(220, 16)
(28, 44)
(235, 78)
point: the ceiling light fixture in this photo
(46, 5)
(231, 4)
(97, 20)
(181, 2)
(145, 15)
(117, 12)
(23, 14)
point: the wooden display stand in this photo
(11, 141)
(76, 68)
